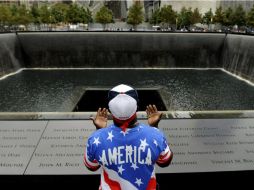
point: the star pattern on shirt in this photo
(120, 170)
(143, 144)
(155, 142)
(96, 141)
(110, 136)
(138, 182)
(134, 166)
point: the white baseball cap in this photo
(123, 101)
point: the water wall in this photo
(234, 53)
(10, 54)
(238, 55)
(122, 49)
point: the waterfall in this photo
(10, 55)
(121, 49)
(234, 53)
(238, 55)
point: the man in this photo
(126, 150)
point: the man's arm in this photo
(165, 158)
(154, 117)
(92, 166)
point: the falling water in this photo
(10, 54)
(238, 56)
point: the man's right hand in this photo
(100, 121)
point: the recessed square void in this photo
(93, 99)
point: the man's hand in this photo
(100, 121)
(153, 115)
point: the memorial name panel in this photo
(61, 149)
(199, 145)
(205, 145)
(18, 140)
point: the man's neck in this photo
(132, 124)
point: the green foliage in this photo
(59, 13)
(219, 16)
(104, 16)
(23, 16)
(239, 16)
(250, 17)
(35, 14)
(168, 15)
(68, 12)
(14, 11)
(208, 17)
(228, 17)
(45, 14)
(196, 17)
(73, 14)
(156, 19)
(85, 15)
(135, 15)
(5, 15)
(185, 17)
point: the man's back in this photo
(127, 158)
(126, 150)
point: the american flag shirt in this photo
(127, 158)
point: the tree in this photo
(196, 17)
(219, 16)
(135, 15)
(168, 15)
(5, 15)
(14, 12)
(228, 16)
(250, 17)
(59, 12)
(73, 14)
(208, 17)
(155, 19)
(239, 16)
(86, 15)
(104, 16)
(23, 16)
(45, 14)
(35, 14)
(184, 18)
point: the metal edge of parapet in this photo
(141, 115)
